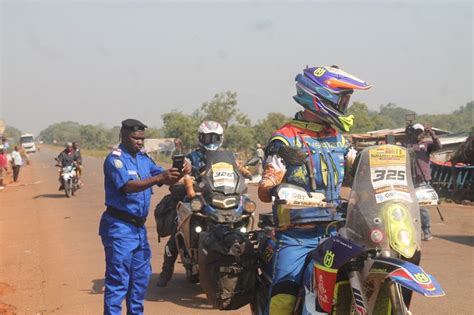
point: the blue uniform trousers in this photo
(127, 273)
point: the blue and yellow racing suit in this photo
(298, 231)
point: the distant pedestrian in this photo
(5, 144)
(3, 166)
(17, 162)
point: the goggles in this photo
(210, 138)
(337, 101)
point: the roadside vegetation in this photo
(240, 133)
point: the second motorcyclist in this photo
(324, 92)
(211, 137)
(66, 158)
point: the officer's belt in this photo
(126, 217)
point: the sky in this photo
(103, 61)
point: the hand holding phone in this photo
(178, 162)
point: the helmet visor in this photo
(339, 102)
(210, 138)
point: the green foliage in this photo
(239, 137)
(362, 118)
(393, 116)
(459, 120)
(179, 125)
(223, 109)
(12, 133)
(264, 128)
(90, 137)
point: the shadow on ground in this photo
(53, 196)
(179, 291)
(461, 239)
(97, 286)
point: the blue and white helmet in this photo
(211, 135)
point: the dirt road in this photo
(52, 260)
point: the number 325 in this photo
(388, 175)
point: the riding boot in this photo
(168, 266)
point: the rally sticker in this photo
(388, 173)
(118, 163)
(223, 174)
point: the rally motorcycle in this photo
(370, 266)
(218, 199)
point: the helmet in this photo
(211, 135)
(325, 91)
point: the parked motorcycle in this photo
(217, 199)
(369, 266)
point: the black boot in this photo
(167, 271)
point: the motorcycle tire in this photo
(73, 187)
(67, 188)
(193, 278)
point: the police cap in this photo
(133, 125)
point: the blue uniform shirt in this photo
(119, 168)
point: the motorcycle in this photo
(220, 200)
(69, 180)
(370, 265)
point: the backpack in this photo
(165, 216)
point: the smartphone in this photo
(178, 162)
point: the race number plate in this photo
(223, 175)
(388, 173)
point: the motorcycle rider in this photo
(211, 137)
(324, 92)
(78, 159)
(65, 158)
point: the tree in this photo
(264, 128)
(61, 132)
(179, 125)
(223, 109)
(395, 113)
(13, 133)
(362, 120)
(239, 137)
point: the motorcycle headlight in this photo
(198, 229)
(243, 229)
(400, 229)
(250, 206)
(196, 204)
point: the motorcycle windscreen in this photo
(222, 174)
(383, 211)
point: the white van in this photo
(27, 141)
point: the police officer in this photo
(129, 177)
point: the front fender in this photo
(408, 275)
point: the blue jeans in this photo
(425, 219)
